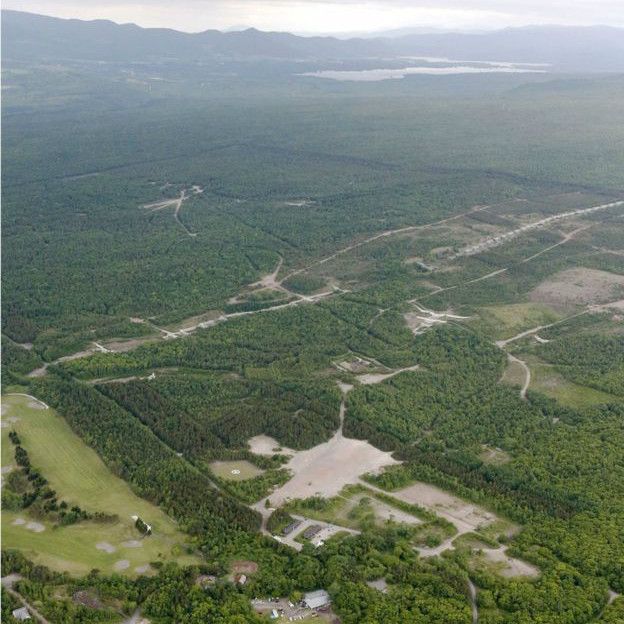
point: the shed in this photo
(21, 614)
(291, 527)
(316, 599)
(311, 531)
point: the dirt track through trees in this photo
(527, 373)
(177, 205)
(303, 299)
(496, 241)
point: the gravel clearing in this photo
(266, 445)
(325, 469)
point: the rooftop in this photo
(316, 599)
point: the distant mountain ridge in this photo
(33, 37)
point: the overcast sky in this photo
(333, 16)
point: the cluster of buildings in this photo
(282, 609)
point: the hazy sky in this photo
(333, 16)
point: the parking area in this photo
(286, 611)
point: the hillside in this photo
(29, 37)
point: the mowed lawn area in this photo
(80, 477)
(238, 470)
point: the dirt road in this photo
(496, 241)
(177, 205)
(527, 373)
(271, 280)
(568, 237)
(384, 234)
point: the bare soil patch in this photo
(87, 599)
(122, 564)
(242, 566)
(467, 517)
(422, 319)
(494, 456)
(106, 547)
(325, 469)
(375, 378)
(579, 286)
(266, 445)
(384, 512)
(378, 584)
(355, 365)
(35, 527)
(507, 566)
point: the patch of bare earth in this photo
(378, 584)
(579, 286)
(266, 445)
(384, 512)
(375, 378)
(494, 456)
(467, 517)
(325, 469)
(244, 567)
(106, 547)
(507, 566)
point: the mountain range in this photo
(30, 37)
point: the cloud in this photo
(328, 16)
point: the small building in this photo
(316, 599)
(287, 530)
(311, 531)
(21, 614)
(241, 579)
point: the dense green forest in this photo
(164, 354)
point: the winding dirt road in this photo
(527, 373)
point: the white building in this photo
(21, 614)
(316, 599)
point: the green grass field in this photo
(514, 374)
(546, 379)
(80, 477)
(239, 470)
(505, 321)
